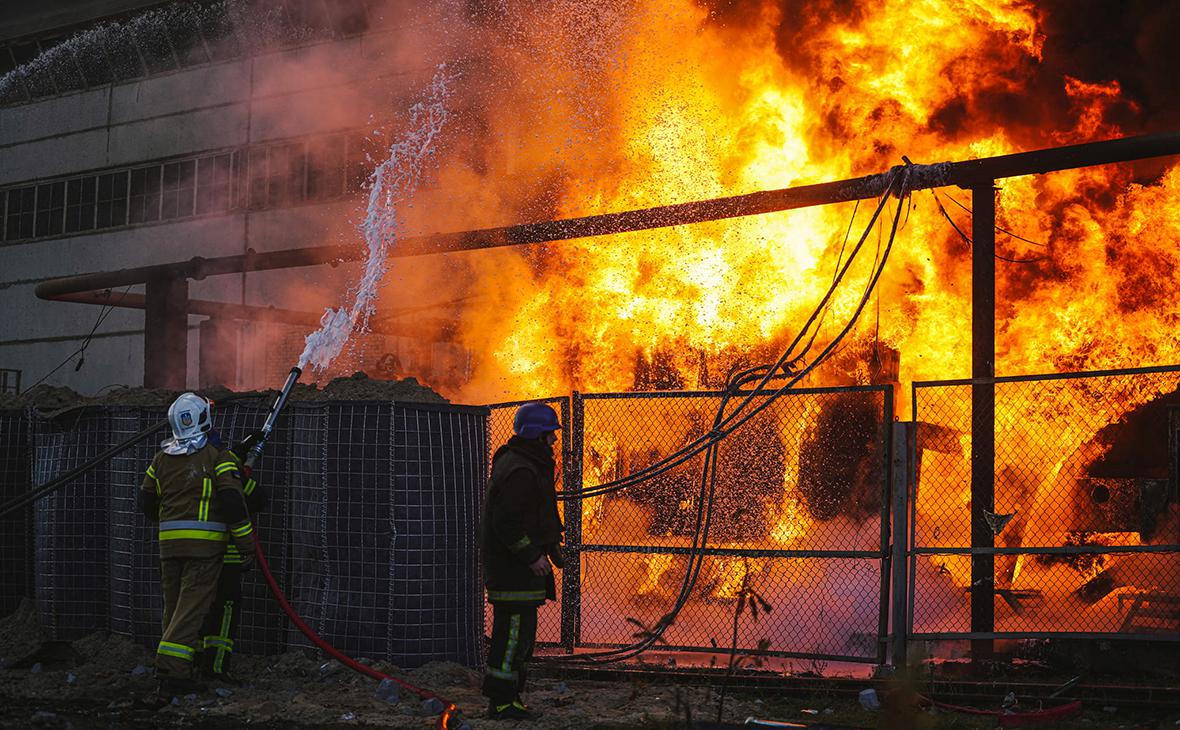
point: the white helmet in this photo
(189, 417)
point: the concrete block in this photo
(61, 115)
(191, 89)
(180, 134)
(61, 155)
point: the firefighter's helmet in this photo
(534, 419)
(189, 416)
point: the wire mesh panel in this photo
(358, 528)
(794, 515)
(439, 464)
(1085, 530)
(72, 526)
(136, 601)
(16, 529)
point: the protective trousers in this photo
(514, 632)
(221, 623)
(189, 586)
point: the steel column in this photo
(983, 410)
(165, 333)
(571, 576)
(901, 477)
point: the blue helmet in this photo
(534, 419)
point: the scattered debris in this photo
(869, 700)
(36, 668)
(387, 691)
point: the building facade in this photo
(134, 134)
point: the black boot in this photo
(512, 710)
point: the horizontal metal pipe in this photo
(767, 201)
(433, 329)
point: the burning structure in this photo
(569, 115)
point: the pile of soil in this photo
(51, 400)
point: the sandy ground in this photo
(104, 681)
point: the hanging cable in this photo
(723, 426)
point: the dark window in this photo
(59, 61)
(92, 60)
(213, 184)
(112, 199)
(348, 16)
(257, 178)
(152, 41)
(80, 207)
(120, 49)
(9, 381)
(13, 88)
(178, 189)
(19, 219)
(37, 84)
(286, 166)
(145, 194)
(325, 168)
(185, 33)
(51, 201)
(218, 30)
(359, 167)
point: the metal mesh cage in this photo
(72, 526)
(16, 529)
(370, 528)
(1086, 518)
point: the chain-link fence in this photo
(371, 527)
(1082, 534)
(798, 517)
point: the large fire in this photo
(581, 108)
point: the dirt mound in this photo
(50, 399)
(20, 633)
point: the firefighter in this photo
(221, 623)
(193, 490)
(521, 541)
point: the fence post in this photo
(983, 413)
(901, 470)
(571, 576)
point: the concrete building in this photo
(139, 133)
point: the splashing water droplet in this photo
(393, 182)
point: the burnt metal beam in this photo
(983, 411)
(165, 334)
(434, 329)
(963, 174)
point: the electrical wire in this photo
(971, 243)
(695, 447)
(709, 471)
(103, 313)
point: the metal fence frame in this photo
(573, 418)
(914, 550)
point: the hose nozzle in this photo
(275, 410)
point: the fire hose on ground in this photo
(449, 716)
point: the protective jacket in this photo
(521, 522)
(256, 501)
(197, 499)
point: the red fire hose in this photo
(1013, 719)
(450, 711)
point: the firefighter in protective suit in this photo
(521, 541)
(221, 623)
(192, 489)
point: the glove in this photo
(242, 449)
(556, 558)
